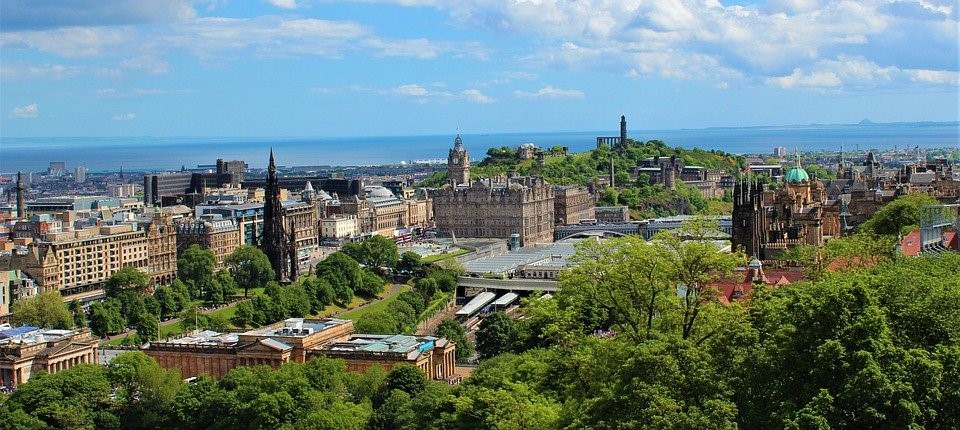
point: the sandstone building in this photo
(296, 340)
(494, 207)
(26, 350)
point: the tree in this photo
(106, 318)
(195, 268)
(497, 334)
(127, 279)
(166, 300)
(377, 322)
(342, 273)
(145, 389)
(245, 314)
(405, 315)
(79, 315)
(414, 300)
(250, 268)
(379, 252)
(410, 263)
(427, 287)
(148, 327)
(45, 310)
(456, 333)
(192, 319)
(371, 284)
(407, 378)
(75, 398)
(900, 215)
(446, 279)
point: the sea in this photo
(105, 154)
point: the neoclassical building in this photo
(26, 350)
(297, 340)
(494, 207)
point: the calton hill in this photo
(593, 167)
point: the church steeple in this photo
(274, 238)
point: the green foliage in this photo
(344, 275)
(414, 300)
(192, 319)
(498, 334)
(902, 213)
(76, 398)
(45, 310)
(127, 279)
(455, 332)
(106, 318)
(144, 389)
(378, 322)
(427, 287)
(250, 268)
(371, 284)
(195, 268)
(148, 327)
(78, 314)
(410, 263)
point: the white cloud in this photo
(125, 117)
(412, 90)
(551, 92)
(284, 4)
(147, 63)
(858, 72)
(475, 96)
(29, 111)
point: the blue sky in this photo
(408, 67)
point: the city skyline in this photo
(412, 67)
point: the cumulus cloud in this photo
(475, 96)
(776, 41)
(551, 92)
(284, 4)
(858, 72)
(28, 111)
(125, 117)
(411, 90)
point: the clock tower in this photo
(458, 163)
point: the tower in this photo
(458, 163)
(274, 238)
(21, 198)
(748, 218)
(623, 131)
(308, 194)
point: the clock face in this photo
(456, 160)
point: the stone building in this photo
(458, 163)
(15, 286)
(495, 207)
(213, 232)
(26, 350)
(77, 263)
(612, 214)
(572, 204)
(436, 357)
(767, 222)
(336, 229)
(301, 222)
(296, 340)
(379, 211)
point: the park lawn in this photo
(378, 306)
(355, 303)
(437, 257)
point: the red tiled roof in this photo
(739, 282)
(910, 244)
(951, 240)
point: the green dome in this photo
(797, 175)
